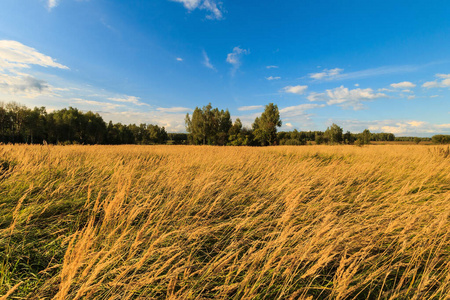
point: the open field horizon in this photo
(209, 222)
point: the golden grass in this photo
(198, 222)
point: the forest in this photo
(206, 126)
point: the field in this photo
(198, 222)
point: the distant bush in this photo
(441, 139)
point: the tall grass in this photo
(197, 222)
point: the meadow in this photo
(204, 222)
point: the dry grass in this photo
(187, 222)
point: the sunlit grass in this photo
(187, 222)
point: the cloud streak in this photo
(128, 99)
(213, 7)
(206, 62)
(52, 3)
(174, 109)
(403, 85)
(298, 89)
(15, 55)
(298, 110)
(326, 74)
(252, 107)
(235, 58)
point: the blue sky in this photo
(383, 65)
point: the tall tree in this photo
(265, 126)
(366, 136)
(333, 134)
(208, 126)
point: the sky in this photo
(377, 65)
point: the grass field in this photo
(197, 222)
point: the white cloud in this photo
(434, 96)
(14, 59)
(385, 90)
(375, 72)
(298, 89)
(298, 110)
(52, 3)
(415, 123)
(272, 67)
(431, 84)
(289, 125)
(403, 85)
(411, 97)
(206, 61)
(443, 76)
(314, 96)
(273, 78)
(99, 104)
(252, 107)
(128, 99)
(15, 55)
(346, 98)
(179, 59)
(326, 74)
(356, 84)
(174, 109)
(444, 82)
(212, 6)
(234, 58)
(25, 85)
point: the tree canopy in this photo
(265, 126)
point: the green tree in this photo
(35, 124)
(265, 126)
(319, 139)
(333, 134)
(348, 138)
(366, 136)
(208, 126)
(440, 139)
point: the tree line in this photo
(205, 126)
(19, 124)
(211, 126)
